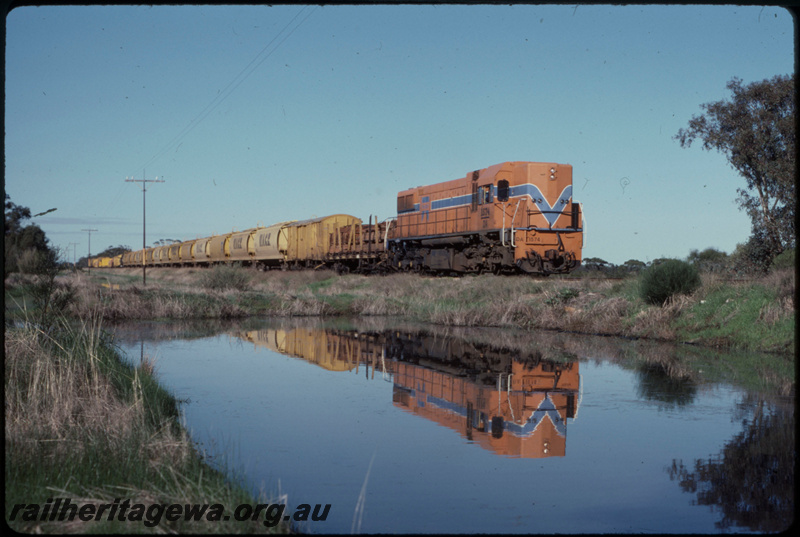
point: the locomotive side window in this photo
(502, 190)
(405, 203)
(484, 195)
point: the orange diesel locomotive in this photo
(511, 216)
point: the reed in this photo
(81, 423)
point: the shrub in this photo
(221, 278)
(671, 277)
(784, 260)
(563, 296)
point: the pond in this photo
(409, 429)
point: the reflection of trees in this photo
(657, 382)
(752, 479)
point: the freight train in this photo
(513, 217)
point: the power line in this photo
(229, 89)
(233, 84)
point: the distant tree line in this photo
(739, 263)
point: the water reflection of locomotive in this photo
(511, 217)
(512, 404)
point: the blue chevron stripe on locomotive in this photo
(550, 213)
(546, 410)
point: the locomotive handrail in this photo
(386, 234)
(513, 242)
(503, 230)
(508, 396)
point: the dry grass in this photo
(54, 397)
(608, 307)
(81, 424)
(782, 283)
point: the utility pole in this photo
(90, 246)
(144, 219)
(74, 245)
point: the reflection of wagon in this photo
(327, 349)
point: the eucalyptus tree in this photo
(755, 130)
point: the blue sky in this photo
(256, 115)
